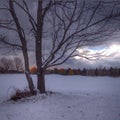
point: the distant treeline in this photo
(15, 65)
(11, 65)
(115, 72)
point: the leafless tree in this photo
(22, 37)
(18, 64)
(6, 64)
(64, 25)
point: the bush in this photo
(70, 72)
(21, 94)
(56, 71)
(62, 71)
(33, 70)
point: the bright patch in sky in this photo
(114, 49)
(99, 52)
(77, 57)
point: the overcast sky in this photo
(107, 54)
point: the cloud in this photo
(99, 56)
(104, 55)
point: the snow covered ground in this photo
(75, 98)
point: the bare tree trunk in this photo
(40, 72)
(30, 83)
(27, 73)
(41, 81)
(22, 37)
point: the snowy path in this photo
(86, 98)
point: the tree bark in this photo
(41, 81)
(30, 83)
(21, 34)
(40, 71)
(27, 72)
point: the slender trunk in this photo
(40, 71)
(22, 37)
(27, 72)
(30, 83)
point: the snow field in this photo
(75, 98)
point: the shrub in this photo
(70, 72)
(33, 70)
(55, 70)
(62, 71)
(22, 94)
(84, 71)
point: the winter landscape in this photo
(73, 98)
(59, 60)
